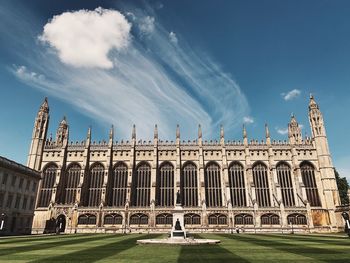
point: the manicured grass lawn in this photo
(123, 248)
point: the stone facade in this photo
(130, 186)
(18, 190)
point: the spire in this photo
(293, 120)
(111, 137)
(44, 106)
(199, 131)
(64, 121)
(177, 131)
(133, 134)
(294, 131)
(155, 131)
(245, 139)
(316, 119)
(41, 125)
(88, 137)
(267, 132)
(312, 103)
(111, 133)
(244, 132)
(221, 132)
(62, 131)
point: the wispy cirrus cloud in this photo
(172, 37)
(290, 95)
(132, 79)
(248, 120)
(282, 131)
(147, 25)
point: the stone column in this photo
(55, 186)
(79, 189)
(201, 189)
(177, 181)
(104, 186)
(131, 168)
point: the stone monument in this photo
(178, 229)
(178, 232)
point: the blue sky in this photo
(169, 62)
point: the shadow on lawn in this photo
(324, 255)
(337, 241)
(40, 246)
(207, 253)
(30, 238)
(93, 254)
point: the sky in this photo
(103, 63)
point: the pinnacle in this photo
(45, 105)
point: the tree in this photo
(343, 187)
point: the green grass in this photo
(123, 248)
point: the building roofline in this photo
(12, 165)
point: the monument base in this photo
(178, 241)
(178, 234)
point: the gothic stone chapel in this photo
(131, 186)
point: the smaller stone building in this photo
(18, 189)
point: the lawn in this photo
(123, 248)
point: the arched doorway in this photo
(60, 224)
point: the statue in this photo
(177, 225)
(178, 198)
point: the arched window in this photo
(142, 185)
(270, 219)
(113, 219)
(87, 219)
(217, 219)
(96, 177)
(297, 219)
(243, 219)
(164, 219)
(165, 185)
(237, 186)
(189, 185)
(260, 179)
(72, 178)
(192, 219)
(47, 184)
(308, 176)
(212, 182)
(138, 219)
(285, 181)
(118, 185)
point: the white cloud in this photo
(291, 94)
(173, 37)
(159, 5)
(84, 38)
(146, 25)
(282, 131)
(24, 73)
(248, 120)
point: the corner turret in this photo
(39, 136)
(294, 131)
